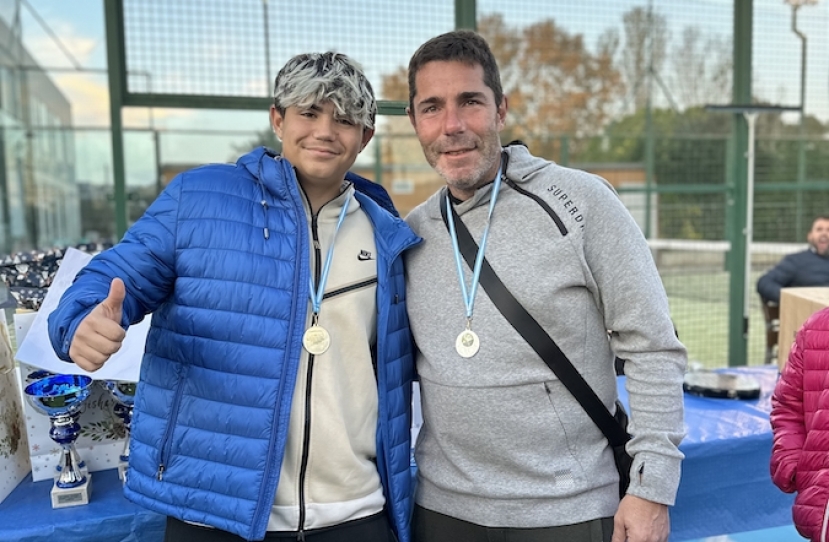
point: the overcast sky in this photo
(353, 27)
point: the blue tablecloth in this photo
(27, 515)
(725, 488)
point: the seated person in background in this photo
(800, 425)
(807, 268)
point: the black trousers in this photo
(431, 526)
(374, 528)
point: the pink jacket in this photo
(800, 422)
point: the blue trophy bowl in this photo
(60, 397)
(122, 390)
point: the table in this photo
(27, 515)
(796, 306)
(726, 486)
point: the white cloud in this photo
(89, 96)
(48, 53)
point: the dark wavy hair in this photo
(461, 46)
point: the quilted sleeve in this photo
(144, 260)
(787, 420)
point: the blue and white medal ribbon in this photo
(316, 338)
(467, 343)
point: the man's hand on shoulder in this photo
(639, 520)
(100, 334)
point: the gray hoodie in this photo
(503, 442)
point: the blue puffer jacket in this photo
(226, 278)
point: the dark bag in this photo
(614, 428)
(624, 461)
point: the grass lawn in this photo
(699, 308)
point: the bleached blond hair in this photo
(313, 78)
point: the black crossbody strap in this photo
(534, 334)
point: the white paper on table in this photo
(36, 349)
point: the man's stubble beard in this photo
(469, 182)
(477, 176)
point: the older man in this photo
(506, 450)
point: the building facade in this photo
(39, 199)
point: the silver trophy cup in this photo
(123, 392)
(60, 397)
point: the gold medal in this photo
(467, 344)
(316, 340)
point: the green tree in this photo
(691, 149)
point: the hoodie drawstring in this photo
(265, 231)
(265, 209)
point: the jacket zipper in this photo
(349, 288)
(300, 217)
(823, 525)
(306, 441)
(306, 436)
(167, 443)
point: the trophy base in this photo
(72, 496)
(122, 471)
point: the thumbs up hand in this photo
(100, 334)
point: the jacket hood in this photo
(522, 165)
(257, 164)
(250, 161)
(261, 164)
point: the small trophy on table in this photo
(124, 394)
(76, 459)
(60, 397)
